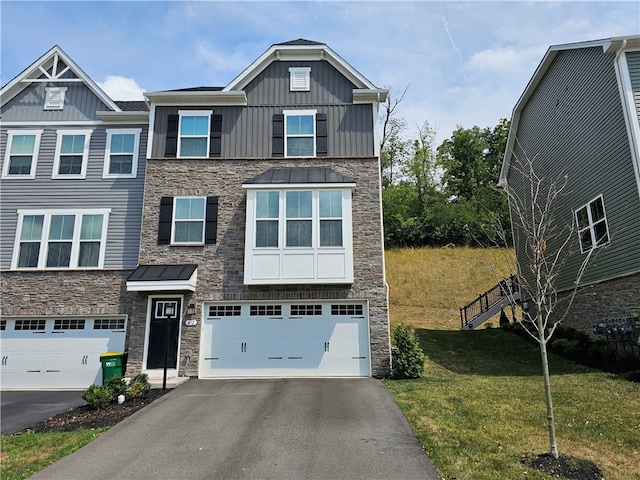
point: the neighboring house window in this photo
(61, 239)
(593, 230)
(21, 155)
(72, 153)
(188, 220)
(299, 133)
(299, 235)
(300, 79)
(121, 156)
(54, 98)
(193, 138)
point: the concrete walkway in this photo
(257, 429)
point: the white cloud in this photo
(122, 88)
(505, 59)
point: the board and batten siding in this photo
(81, 104)
(123, 196)
(327, 86)
(633, 64)
(247, 131)
(573, 124)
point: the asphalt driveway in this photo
(21, 409)
(257, 429)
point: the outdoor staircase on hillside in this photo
(504, 294)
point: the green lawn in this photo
(27, 453)
(480, 405)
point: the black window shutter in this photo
(278, 135)
(171, 141)
(211, 223)
(321, 134)
(215, 140)
(164, 223)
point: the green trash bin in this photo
(112, 365)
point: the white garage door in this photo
(57, 353)
(285, 340)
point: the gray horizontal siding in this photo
(573, 124)
(633, 63)
(124, 196)
(327, 86)
(81, 104)
(247, 131)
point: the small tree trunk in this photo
(547, 389)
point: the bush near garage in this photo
(101, 396)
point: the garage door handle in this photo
(4, 360)
(326, 346)
(243, 347)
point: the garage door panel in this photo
(313, 345)
(62, 354)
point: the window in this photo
(121, 156)
(225, 310)
(299, 79)
(54, 98)
(193, 138)
(593, 230)
(188, 220)
(267, 218)
(72, 153)
(300, 133)
(38, 325)
(108, 324)
(347, 309)
(61, 239)
(22, 153)
(72, 324)
(307, 213)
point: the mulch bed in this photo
(89, 417)
(565, 466)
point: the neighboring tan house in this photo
(262, 247)
(72, 179)
(579, 116)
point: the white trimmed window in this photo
(189, 216)
(61, 239)
(72, 154)
(21, 155)
(193, 133)
(300, 79)
(121, 156)
(299, 235)
(54, 98)
(593, 230)
(300, 133)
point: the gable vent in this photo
(300, 79)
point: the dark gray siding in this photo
(246, 131)
(573, 124)
(327, 86)
(80, 104)
(633, 62)
(124, 196)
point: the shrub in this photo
(564, 346)
(98, 396)
(627, 360)
(117, 385)
(407, 356)
(139, 386)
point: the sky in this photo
(461, 63)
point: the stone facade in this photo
(619, 297)
(65, 293)
(221, 266)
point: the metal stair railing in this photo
(504, 293)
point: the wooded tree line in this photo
(435, 195)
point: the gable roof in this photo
(613, 45)
(300, 49)
(55, 66)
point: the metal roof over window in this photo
(300, 175)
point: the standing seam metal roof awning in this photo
(147, 278)
(299, 175)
